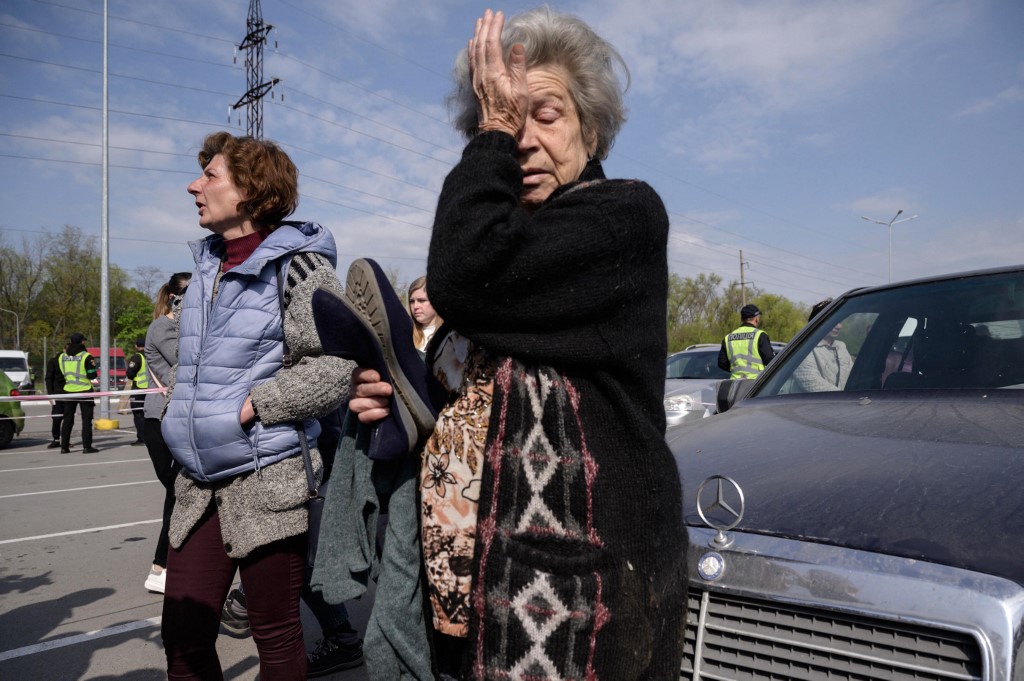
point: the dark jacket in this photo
(54, 378)
(571, 301)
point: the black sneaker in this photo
(331, 656)
(53, 445)
(90, 450)
(233, 616)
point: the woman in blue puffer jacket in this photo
(251, 381)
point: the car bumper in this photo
(783, 608)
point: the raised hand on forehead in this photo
(500, 90)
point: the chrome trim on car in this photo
(721, 540)
(858, 585)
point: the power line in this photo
(292, 88)
(140, 23)
(119, 46)
(114, 75)
(94, 144)
(367, 135)
(362, 39)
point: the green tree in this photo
(780, 316)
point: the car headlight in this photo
(679, 403)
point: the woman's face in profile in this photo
(420, 308)
(217, 197)
(551, 149)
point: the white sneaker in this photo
(156, 580)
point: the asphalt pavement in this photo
(77, 534)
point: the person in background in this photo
(161, 355)
(828, 366)
(425, 321)
(54, 380)
(554, 280)
(747, 350)
(138, 375)
(79, 369)
(241, 420)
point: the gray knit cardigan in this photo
(262, 507)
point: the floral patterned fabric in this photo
(450, 481)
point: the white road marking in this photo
(70, 532)
(79, 638)
(73, 465)
(77, 489)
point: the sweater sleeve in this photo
(561, 284)
(315, 383)
(161, 349)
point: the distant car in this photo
(15, 364)
(855, 511)
(12, 417)
(116, 370)
(691, 379)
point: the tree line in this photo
(51, 284)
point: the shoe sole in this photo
(364, 295)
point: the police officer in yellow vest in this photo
(747, 350)
(136, 372)
(79, 368)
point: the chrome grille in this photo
(736, 638)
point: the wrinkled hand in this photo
(369, 396)
(500, 91)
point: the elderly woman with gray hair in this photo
(551, 510)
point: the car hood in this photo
(932, 477)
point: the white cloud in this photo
(1014, 93)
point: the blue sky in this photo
(767, 127)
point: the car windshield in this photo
(13, 364)
(957, 333)
(695, 364)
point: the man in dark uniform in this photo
(138, 375)
(746, 350)
(54, 386)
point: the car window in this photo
(13, 364)
(962, 333)
(702, 364)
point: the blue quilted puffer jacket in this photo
(227, 344)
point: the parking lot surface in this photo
(77, 534)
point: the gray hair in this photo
(554, 38)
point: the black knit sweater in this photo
(581, 501)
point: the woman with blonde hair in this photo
(161, 351)
(425, 321)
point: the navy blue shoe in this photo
(370, 326)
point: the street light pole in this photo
(17, 327)
(889, 224)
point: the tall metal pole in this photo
(889, 225)
(105, 242)
(743, 287)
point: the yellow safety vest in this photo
(141, 379)
(741, 346)
(73, 368)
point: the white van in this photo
(14, 363)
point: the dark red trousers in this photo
(199, 576)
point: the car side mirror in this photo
(730, 391)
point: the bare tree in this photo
(148, 279)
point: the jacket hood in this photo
(290, 237)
